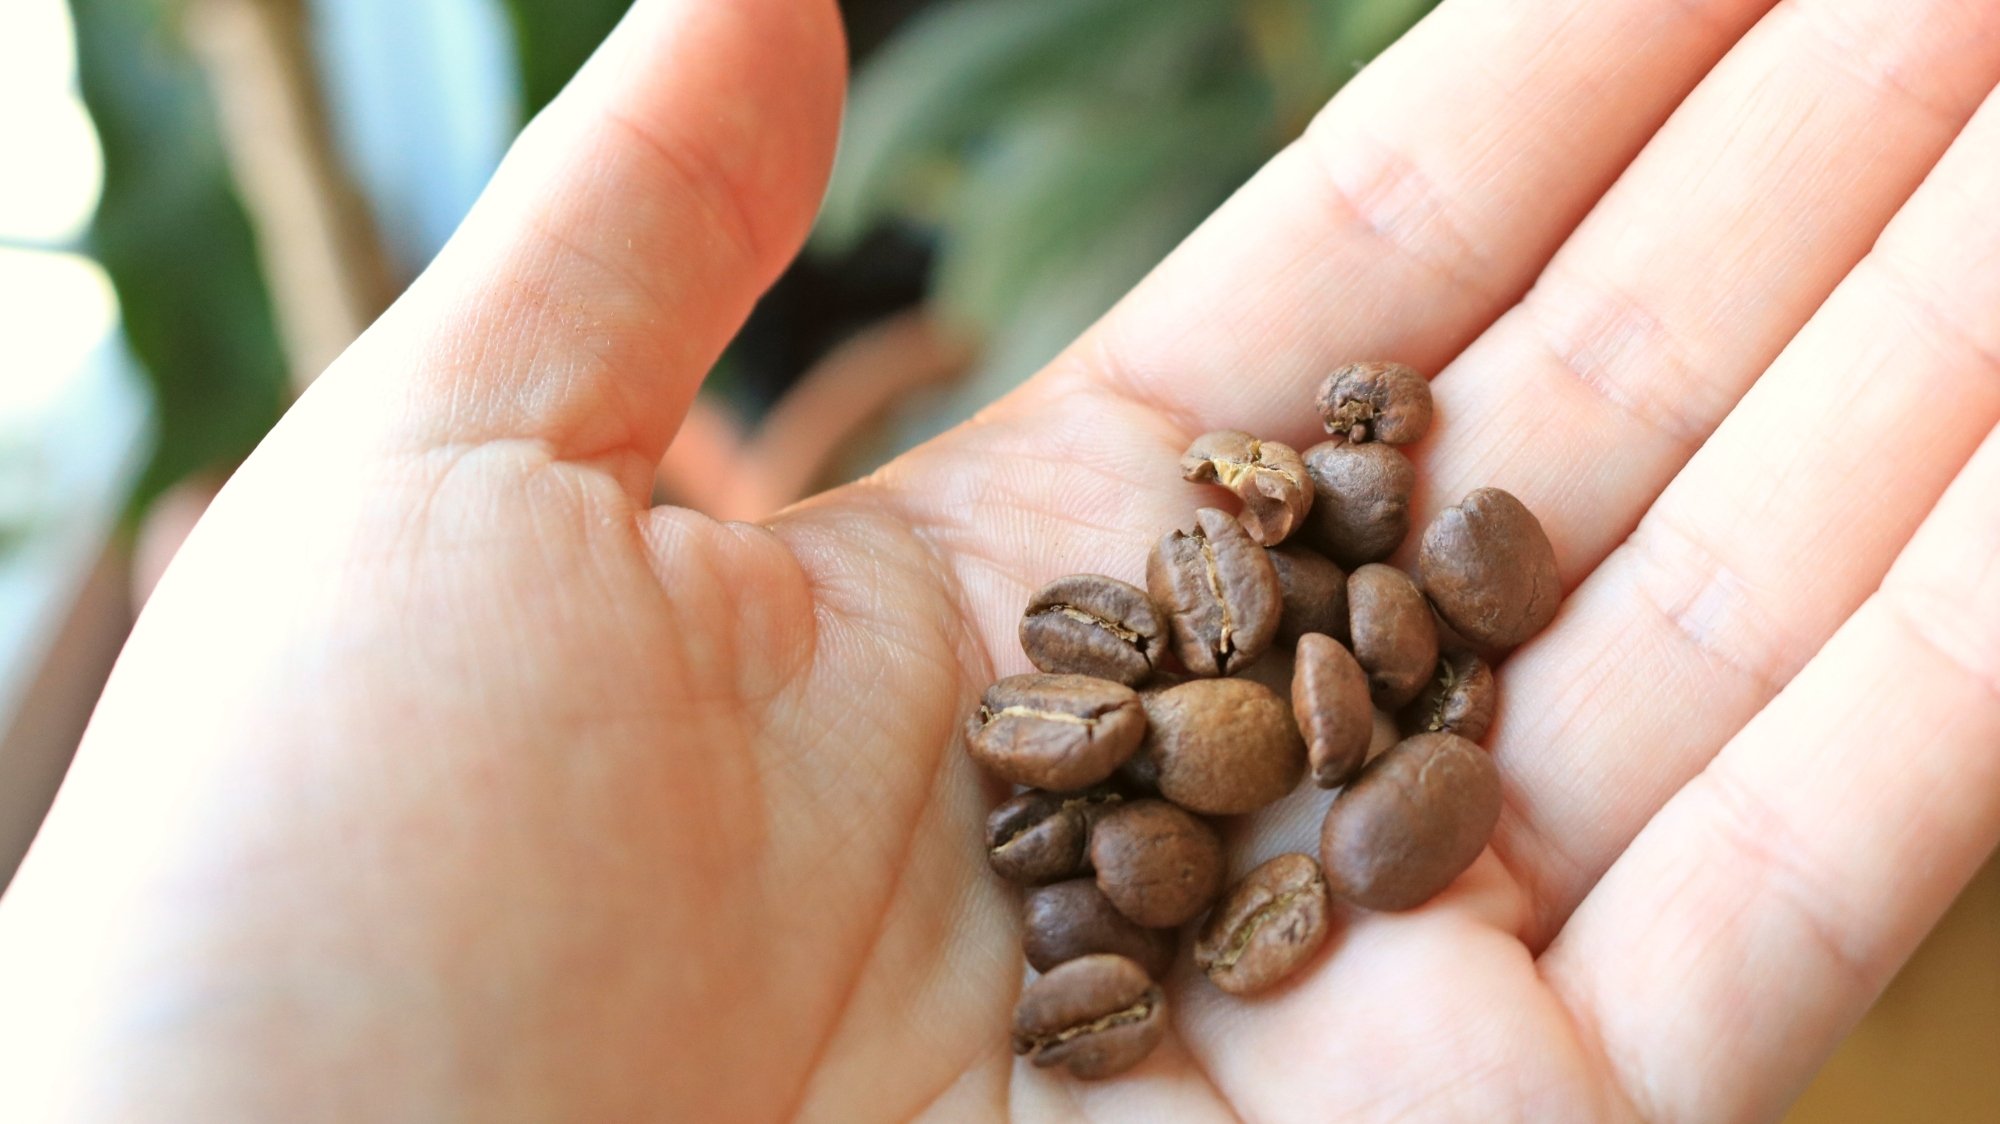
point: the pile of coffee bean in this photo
(1140, 721)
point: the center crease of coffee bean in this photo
(1450, 679)
(1137, 1012)
(987, 715)
(1240, 939)
(1227, 630)
(1105, 623)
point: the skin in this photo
(445, 778)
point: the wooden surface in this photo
(1930, 1050)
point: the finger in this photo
(1774, 533)
(1717, 244)
(1419, 205)
(622, 241)
(1759, 914)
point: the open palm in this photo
(443, 778)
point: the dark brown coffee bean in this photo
(1395, 639)
(1088, 624)
(1268, 477)
(1039, 837)
(1376, 402)
(1459, 699)
(1330, 700)
(1071, 919)
(1223, 746)
(1140, 774)
(1159, 865)
(1490, 569)
(1060, 732)
(1219, 591)
(1313, 592)
(1096, 1016)
(1361, 501)
(1266, 926)
(1413, 820)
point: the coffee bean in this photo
(1376, 402)
(1223, 746)
(1059, 732)
(1490, 569)
(1330, 700)
(1096, 1016)
(1039, 837)
(1395, 639)
(1313, 592)
(1219, 591)
(1361, 501)
(1159, 865)
(1266, 926)
(1414, 819)
(1070, 919)
(1088, 624)
(1459, 699)
(1268, 477)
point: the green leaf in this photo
(552, 38)
(174, 238)
(1041, 200)
(954, 69)
(1308, 49)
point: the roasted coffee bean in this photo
(1222, 746)
(1376, 402)
(1361, 501)
(1490, 569)
(1459, 699)
(1414, 819)
(1219, 591)
(1395, 639)
(1060, 732)
(1039, 837)
(1159, 865)
(1266, 926)
(1070, 919)
(1330, 700)
(1313, 592)
(1268, 477)
(1096, 1016)
(1088, 624)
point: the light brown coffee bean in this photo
(1313, 592)
(1376, 402)
(1266, 927)
(1414, 819)
(1267, 476)
(1070, 919)
(1490, 569)
(1159, 865)
(1361, 501)
(1395, 639)
(1096, 1016)
(1223, 747)
(1057, 732)
(1088, 624)
(1460, 699)
(1219, 591)
(1330, 700)
(1039, 837)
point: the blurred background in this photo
(203, 201)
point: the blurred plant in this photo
(1057, 149)
(172, 234)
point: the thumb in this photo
(621, 243)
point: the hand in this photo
(444, 778)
